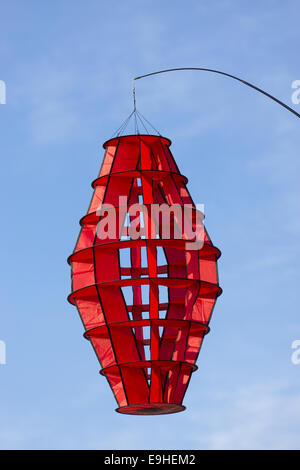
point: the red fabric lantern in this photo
(146, 315)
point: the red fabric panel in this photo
(116, 384)
(181, 386)
(91, 312)
(108, 160)
(86, 238)
(82, 274)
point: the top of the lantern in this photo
(134, 139)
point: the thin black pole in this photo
(133, 92)
(221, 73)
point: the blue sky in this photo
(68, 67)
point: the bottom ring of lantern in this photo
(151, 409)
